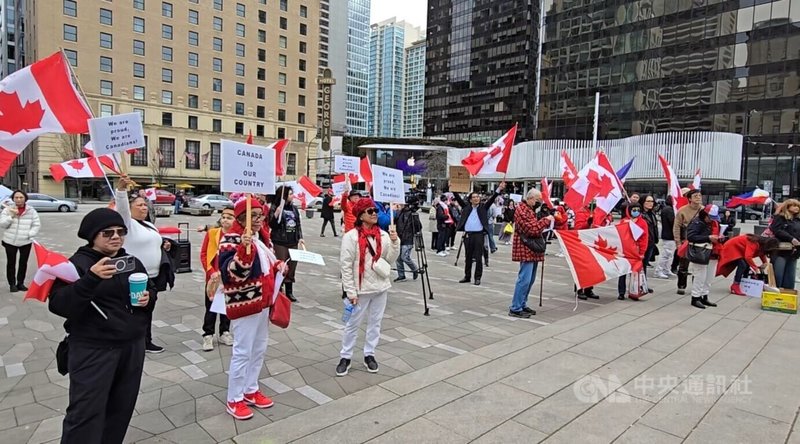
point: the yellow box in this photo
(784, 302)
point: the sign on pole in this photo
(326, 83)
(347, 164)
(387, 184)
(246, 168)
(117, 133)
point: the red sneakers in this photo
(737, 290)
(258, 400)
(239, 410)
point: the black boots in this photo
(287, 286)
(697, 302)
(704, 300)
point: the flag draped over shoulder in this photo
(52, 266)
(599, 254)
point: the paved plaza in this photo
(653, 371)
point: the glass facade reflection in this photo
(481, 65)
(678, 65)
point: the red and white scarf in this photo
(363, 240)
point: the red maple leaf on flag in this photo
(15, 118)
(77, 165)
(599, 186)
(602, 247)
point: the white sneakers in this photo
(225, 339)
(442, 254)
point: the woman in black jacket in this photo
(286, 233)
(703, 232)
(649, 216)
(664, 267)
(106, 334)
(786, 227)
(327, 213)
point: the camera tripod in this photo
(422, 262)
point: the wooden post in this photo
(248, 227)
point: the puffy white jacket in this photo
(370, 282)
(20, 231)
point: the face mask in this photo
(537, 205)
(635, 214)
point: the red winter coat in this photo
(737, 248)
(561, 218)
(525, 222)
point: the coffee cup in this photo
(137, 283)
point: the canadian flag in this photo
(546, 188)
(150, 194)
(77, 168)
(249, 140)
(365, 169)
(494, 159)
(52, 266)
(111, 161)
(695, 185)
(673, 187)
(280, 155)
(597, 180)
(599, 254)
(568, 171)
(36, 100)
(304, 189)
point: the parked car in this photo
(749, 213)
(212, 201)
(43, 202)
(164, 197)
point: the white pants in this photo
(250, 338)
(702, 276)
(663, 267)
(372, 306)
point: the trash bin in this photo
(310, 213)
(183, 258)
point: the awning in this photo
(184, 185)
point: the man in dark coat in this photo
(475, 223)
(327, 213)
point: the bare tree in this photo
(435, 165)
(157, 168)
(71, 148)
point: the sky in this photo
(412, 11)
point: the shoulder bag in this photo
(536, 244)
(699, 253)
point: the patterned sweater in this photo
(248, 279)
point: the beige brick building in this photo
(197, 70)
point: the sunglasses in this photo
(108, 234)
(371, 211)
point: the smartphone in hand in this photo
(122, 264)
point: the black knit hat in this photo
(98, 220)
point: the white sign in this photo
(347, 164)
(752, 287)
(116, 133)
(516, 197)
(246, 168)
(387, 184)
(306, 257)
(768, 186)
(786, 189)
(339, 187)
(5, 192)
(218, 303)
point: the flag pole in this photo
(596, 119)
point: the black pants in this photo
(683, 273)
(675, 261)
(151, 307)
(473, 252)
(443, 238)
(451, 241)
(325, 223)
(434, 238)
(103, 387)
(11, 263)
(210, 319)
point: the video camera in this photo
(413, 199)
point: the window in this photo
(166, 53)
(217, 43)
(106, 88)
(70, 33)
(106, 110)
(239, 50)
(216, 105)
(239, 89)
(301, 136)
(303, 29)
(166, 119)
(216, 64)
(283, 42)
(291, 164)
(166, 150)
(301, 82)
(284, 23)
(138, 70)
(193, 101)
(166, 32)
(303, 11)
(106, 40)
(193, 38)
(240, 69)
(262, 16)
(281, 115)
(218, 5)
(239, 128)
(72, 56)
(281, 78)
(138, 25)
(281, 60)
(301, 65)
(193, 80)
(138, 92)
(239, 108)
(260, 130)
(166, 75)
(138, 4)
(303, 48)
(301, 100)
(261, 93)
(194, 17)
(166, 9)
(262, 55)
(216, 85)
(281, 97)
(284, 5)
(217, 23)
(70, 8)
(301, 118)
(262, 36)
(240, 10)
(138, 47)
(194, 59)
(216, 125)
(166, 97)
(192, 150)
(106, 64)
(139, 157)
(260, 111)
(262, 74)
(281, 133)
(215, 165)
(240, 30)
(106, 17)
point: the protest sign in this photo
(387, 185)
(517, 198)
(347, 164)
(339, 185)
(246, 168)
(307, 257)
(459, 179)
(117, 133)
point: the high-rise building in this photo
(414, 94)
(664, 66)
(11, 36)
(196, 71)
(481, 68)
(388, 42)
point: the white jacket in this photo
(143, 240)
(20, 231)
(370, 282)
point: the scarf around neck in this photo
(363, 242)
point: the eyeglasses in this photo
(257, 216)
(371, 211)
(108, 234)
